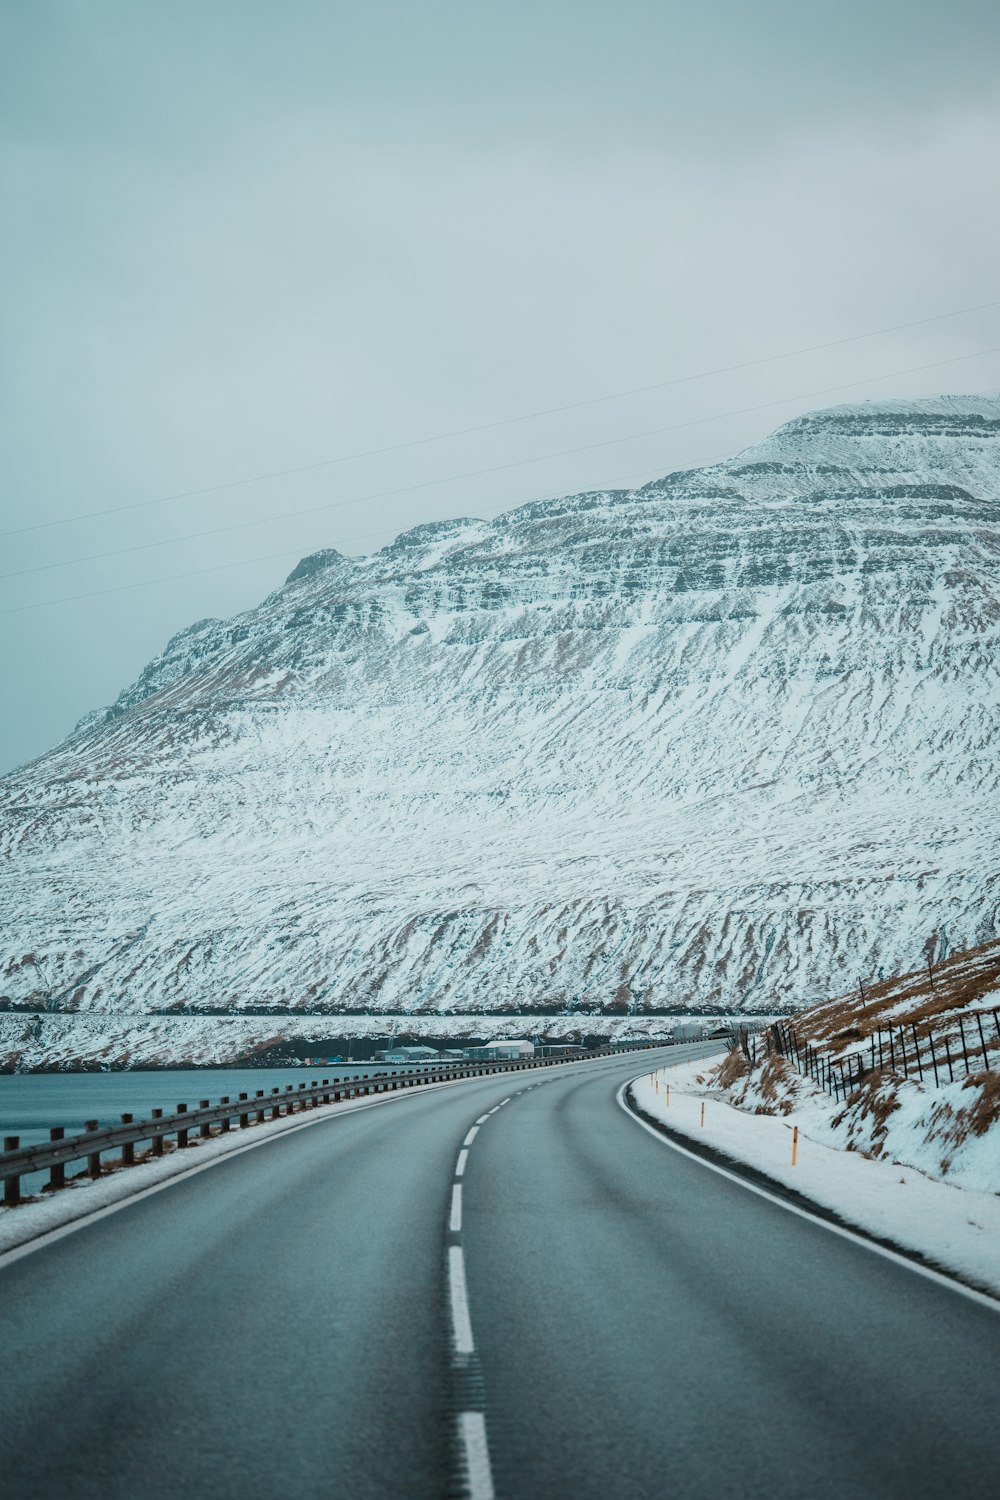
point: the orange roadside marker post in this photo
(795, 1144)
(703, 1113)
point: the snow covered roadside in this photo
(955, 1228)
(85, 1196)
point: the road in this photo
(290, 1322)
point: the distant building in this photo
(560, 1049)
(500, 1052)
(410, 1055)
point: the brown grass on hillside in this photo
(875, 1099)
(931, 1004)
(733, 1067)
(985, 1110)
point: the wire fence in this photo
(929, 1054)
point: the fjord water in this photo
(31, 1103)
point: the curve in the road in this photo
(496, 1294)
(815, 1213)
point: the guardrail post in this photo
(11, 1185)
(94, 1157)
(275, 1106)
(224, 1122)
(157, 1139)
(128, 1147)
(205, 1128)
(259, 1094)
(244, 1117)
(57, 1174)
(182, 1135)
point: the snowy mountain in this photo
(727, 740)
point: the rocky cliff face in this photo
(727, 740)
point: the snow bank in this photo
(956, 1228)
(951, 1132)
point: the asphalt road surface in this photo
(398, 1301)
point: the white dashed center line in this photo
(472, 1426)
(472, 1439)
(461, 1325)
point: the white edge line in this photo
(839, 1229)
(60, 1231)
(461, 1324)
(472, 1429)
(455, 1221)
(471, 1136)
(463, 1157)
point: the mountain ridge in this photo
(721, 741)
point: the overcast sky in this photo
(242, 237)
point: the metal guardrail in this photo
(55, 1154)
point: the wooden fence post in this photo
(961, 1032)
(916, 1051)
(982, 1038)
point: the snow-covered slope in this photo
(728, 739)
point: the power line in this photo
(296, 551)
(407, 489)
(491, 426)
(120, 588)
